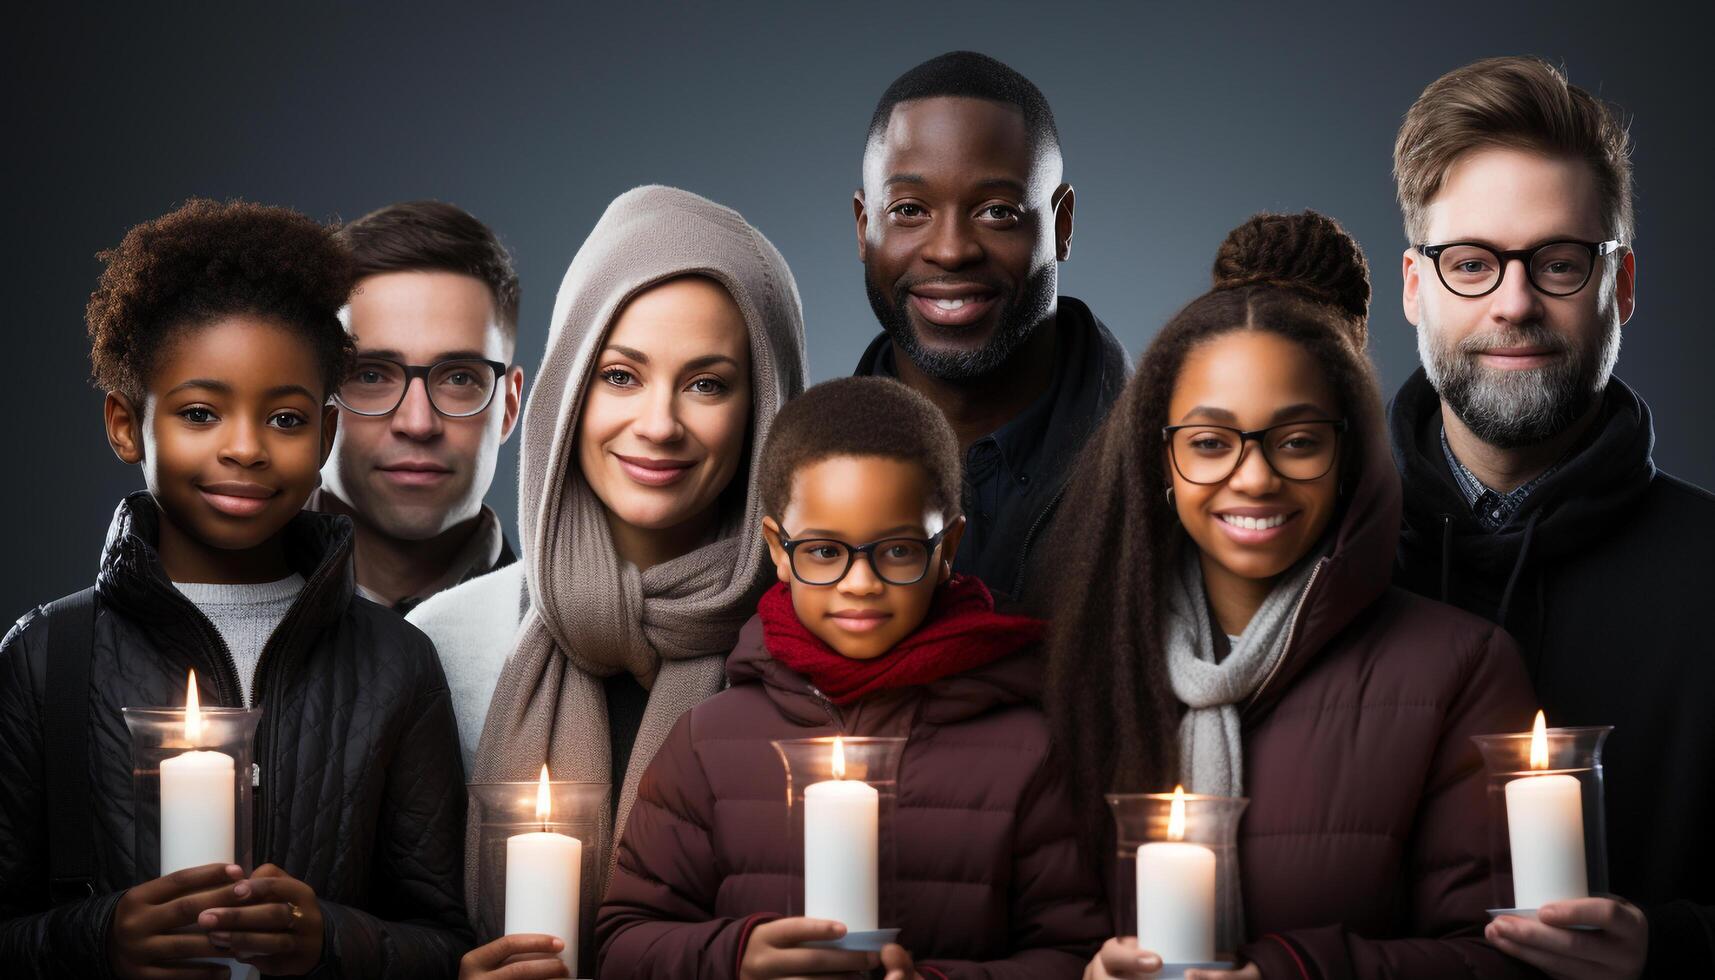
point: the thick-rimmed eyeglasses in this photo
(458, 387)
(1297, 451)
(1473, 269)
(896, 561)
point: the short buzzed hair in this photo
(968, 74)
(435, 236)
(860, 417)
(1518, 102)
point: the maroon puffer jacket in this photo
(1365, 849)
(992, 881)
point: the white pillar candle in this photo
(198, 799)
(1545, 826)
(842, 850)
(199, 805)
(1545, 821)
(1176, 894)
(544, 878)
(1176, 901)
(197, 810)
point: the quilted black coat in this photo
(361, 790)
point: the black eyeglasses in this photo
(1298, 451)
(896, 561)
(1472, 269)
(458, 387)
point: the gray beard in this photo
(1020, 315)
(1512, 409)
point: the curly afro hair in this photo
(860, 417)
(208, 260)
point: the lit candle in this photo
(842, 848)
(544, 872)
(1545, 822)
(198, 810)
(197, 800)
(1176, 894)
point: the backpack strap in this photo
(65, 743)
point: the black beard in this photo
(1020, 315)
(1514, 409)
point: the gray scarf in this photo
(1211, 751)
(590, 614)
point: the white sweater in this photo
(473, 626)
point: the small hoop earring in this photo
(1170, 496)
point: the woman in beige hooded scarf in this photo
(527, 649)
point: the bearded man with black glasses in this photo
(1531, 497)
(430, 399)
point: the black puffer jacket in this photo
(361, 793)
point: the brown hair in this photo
(860, 417)
(1114, 712)
(1519, 102)
(435, 236)
(208, 260)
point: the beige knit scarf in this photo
(590, 614)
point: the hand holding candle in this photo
(544, 875)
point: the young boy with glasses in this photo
(217, 342)
(868, 633)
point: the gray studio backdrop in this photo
(1177, 124)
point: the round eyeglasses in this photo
(896, 561)
(1473, 269)
(1299, 451)
(457, 387)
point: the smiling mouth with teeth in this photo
(1254, 523)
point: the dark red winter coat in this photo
(1365, 851)
(992, 881)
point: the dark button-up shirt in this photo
(1492, 509)
(997, 472)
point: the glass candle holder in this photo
(1176, 882)
(1547, 827)
(192, 773)
(537, 864)
(841, 796)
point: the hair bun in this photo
(1308, 253)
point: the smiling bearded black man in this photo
(961, 221)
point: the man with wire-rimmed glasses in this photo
(1531, 495)
(431, 398)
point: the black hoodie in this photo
(1600, 576)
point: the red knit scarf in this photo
(961, 632)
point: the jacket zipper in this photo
(1291, 628)
(270, 713)
(828, 706)
(1030, 535)
(226, 683)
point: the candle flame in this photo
(1176, 815)
(193, 712)
(839, 757)
(543, 798)
(1539, 743)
